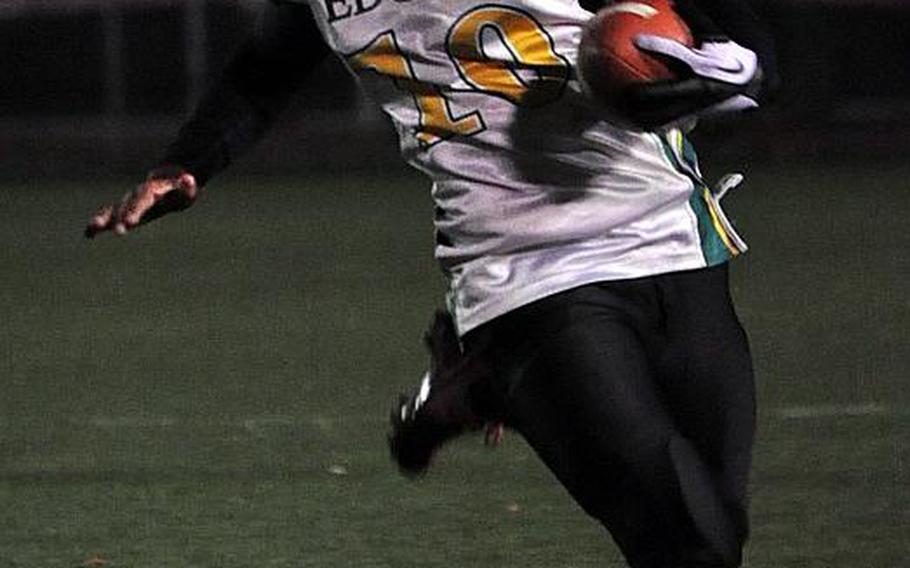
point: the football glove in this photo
(719, 76)
(164, 191)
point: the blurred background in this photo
(88, 82)
(214, 389)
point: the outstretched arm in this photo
(256, 85)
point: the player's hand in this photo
(722, 60)
(493, 433)
(721, 76)
(164, 191)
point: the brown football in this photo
(609, 60)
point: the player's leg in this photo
(576, 376)
(706, 371)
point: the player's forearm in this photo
(731, 18)
(228, 120)
(256, 86)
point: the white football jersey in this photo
(535, 192)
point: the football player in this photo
(589, 306)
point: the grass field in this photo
(213, 390)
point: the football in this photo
(608, 59)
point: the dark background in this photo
(88, 83)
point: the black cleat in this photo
(414, 439)
(441, 409)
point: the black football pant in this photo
(639, 396)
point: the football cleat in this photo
(442, 407)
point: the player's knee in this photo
(630, 491)
(721, 524)
(662, 505)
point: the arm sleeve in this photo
(255, 86)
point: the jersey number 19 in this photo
(525, 69)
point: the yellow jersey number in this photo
(533, 74)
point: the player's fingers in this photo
(729, 62)
(494, 433)
(117, 223)
(188, 188)
(723, 61)
(152, 199)
(178, 199)
(737, 103)
(156, 197)
(665, 46)
(176, 194)
(137, 204)
(100, 221)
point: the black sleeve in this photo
(255, 86)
